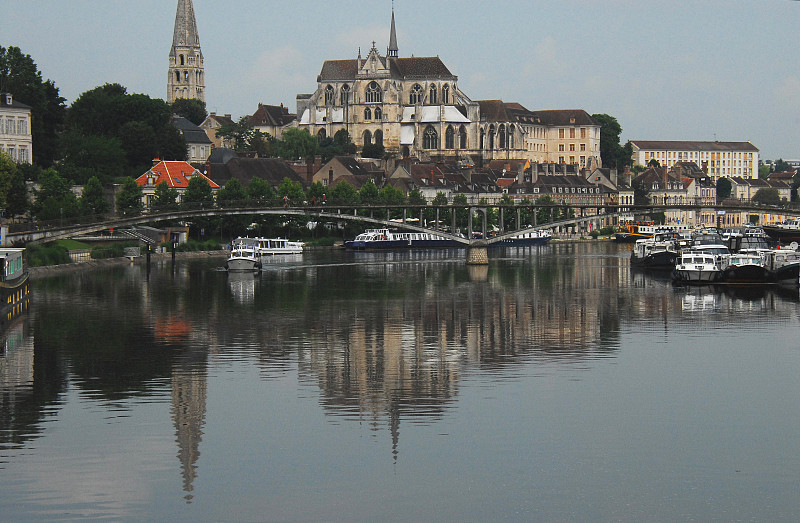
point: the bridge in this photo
(407, 217)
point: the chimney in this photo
(330, 177)
(156, 161)
(614, 176)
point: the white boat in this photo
(784, 266)
(745, 266)
(539, 237)
(697, 267)
(243, 256)
(272, 246)
(387, 239)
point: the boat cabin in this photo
(11, 264)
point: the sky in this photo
(666, 70)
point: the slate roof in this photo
(667, 145)
(271, 170)
(176, 174)
(191, 132)
(564, 117)
(422, 67)
(14, 103)
(272, 115)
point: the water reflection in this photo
(386, 338)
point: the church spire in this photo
(186, 78)
(392, 51)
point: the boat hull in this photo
(242, 264)
(399, 244)
(746, 274)
(656, 260)
(782, 234)
(696, 276)
(523, 242)
(787, 275)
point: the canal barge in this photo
(13, 283)
(388, 239)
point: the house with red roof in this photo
(176, 174)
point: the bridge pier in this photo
(477, 253)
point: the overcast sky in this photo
(667, 70)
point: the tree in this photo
(641, 196)
(165, 198)
(767, 196)
(291, 190)
(20, 77)
(343, 194)
(85, 156)
(369, 193)
(390, 195)
(724, 187)
(231, 194)
(8, 169)
(296, 143)
(764, 171)
(654, 163)
(93, 199)
(192, 109)
(17, 201)
(781, 166)
(198, 193)
(415, 197)
(343, 140)
(611, 152)
(129, 198)
(55, 198)
(239, 134)
(315, 193)
(373, 150)
(260, 193)
(462, 215)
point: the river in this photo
(553, 385)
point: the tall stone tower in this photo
(186, 78)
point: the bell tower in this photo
(186, 78)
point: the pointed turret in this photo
(392, 51)
(186, 77)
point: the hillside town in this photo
(404, 123)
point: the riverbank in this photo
(52, 270)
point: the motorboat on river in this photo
(784, 266)
(388, 239)
(745, 266)
(659, 252)
(539, 237)
(788, 231)
(697, 267)
(13, 282)
(246, 253)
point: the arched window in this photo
(430, 139)
(501, 136)
(462, 137)
(510, 136)
(367, 114)
(321, 134)
(432, 95)
(186, 75)
(445, 94)
(329, 95)
(378, 136)
(345, 95)
(449, 138)
(378, 114)
(483, 136)
(182, 60)
(367, 137)
(374, 93)
(177, 76)
(416, 95)
(406, 152)
(491, 137)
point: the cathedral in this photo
(186, 78)
(413, 107)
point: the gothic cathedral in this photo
(186, 78)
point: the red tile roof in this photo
(176, 174)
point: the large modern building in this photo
(718, 159)
(15, 129)
(414, 107)
(186, 77)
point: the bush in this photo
(43, 255)
(595, 234)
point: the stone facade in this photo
(414, 108)
(718, 159)
(185, 78)
(15, 129)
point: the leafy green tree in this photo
(415, 197)
(17, 201)
(782, 166)
(641, 195)
(343, 194)
(369, 193)
(55, 198)
(444, 214)
(192, 109)
(544, 213)
(296, 143)
(198, 193)
(373, 150)
(239, 134)
(764, 171)
(93, 199)
(654, 163)
(232, 194)
(165, 198)
(129, 198)
(20, 77)
(462, 215)
(724, 187)
(85, 156)
(260, 192)
(390, 195)
(767, 196)
(612, 153)
(291, 190)
(315, 193)
(344, 141)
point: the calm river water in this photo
(554, 385)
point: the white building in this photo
(719, 159)
(15, 129)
